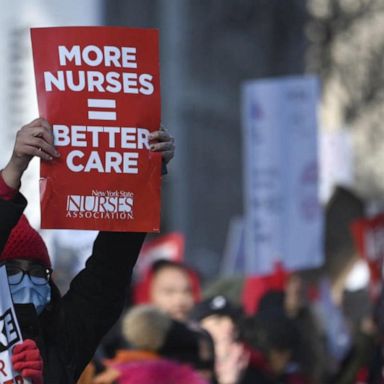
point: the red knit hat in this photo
(24, 242)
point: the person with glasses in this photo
(35, 288)
(38, 275)
(68, 329)
(29, 284)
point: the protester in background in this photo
(170, 286)
(273, 338)
(67, 330)
(158, 343)
(159, 372)
(293, 303)
(363, 364)
(281, 336)
(221, 319)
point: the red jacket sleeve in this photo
(6, 192)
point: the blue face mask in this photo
(26, 292)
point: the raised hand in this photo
(33, 139)
(162, 141)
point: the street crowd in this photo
(108, 328)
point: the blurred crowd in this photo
(173, 332)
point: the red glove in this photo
(27, 360)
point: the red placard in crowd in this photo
(166, 247)
(99, 87)
(369, 239)
(255, 287)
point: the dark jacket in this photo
(70, 329)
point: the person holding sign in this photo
(62, 333)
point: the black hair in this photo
(158, 265)
(218, 305)
(271, 330)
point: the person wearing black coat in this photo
(65, 331)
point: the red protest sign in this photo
(99, 87)
(369, 239)
(166, 247)
(255, 287)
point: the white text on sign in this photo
(110, 161)
(97, 81)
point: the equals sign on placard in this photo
(104, 107)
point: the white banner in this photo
(336, 162)
(284, 220)
(10, 334)
(233, 261)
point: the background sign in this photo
(284, 220)
(10, 334)
(99, 88)
(165, 247)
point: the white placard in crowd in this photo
(233, 261)
(10, 334)
(336, 162)
(284, 219)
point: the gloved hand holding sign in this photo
(27, 360)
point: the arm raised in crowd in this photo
(33, 139)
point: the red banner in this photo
(255, 287)
(166, 247)
(369, 239)
(99, 87)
